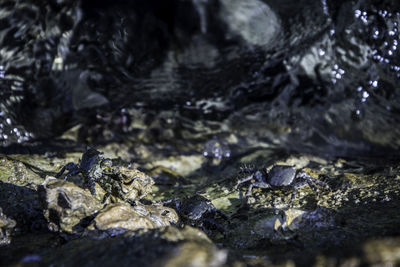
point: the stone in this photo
(123, 217)
(66, 205)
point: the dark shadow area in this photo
(353, 225)
(22, 205)
(30, 234)
(52, 148)
(123, 250)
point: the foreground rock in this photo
(267, 228)
(119, 217)
(166, 246)
(70, 209)
(67, 205)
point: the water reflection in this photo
(288, 73)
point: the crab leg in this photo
(91, 186)
(257, 184)
(312, 181)
(248, 178)
(71, 167)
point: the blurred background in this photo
(311, 76)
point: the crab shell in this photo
(281, 175)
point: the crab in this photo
(97, 169)
(199, 212)
(281, 177)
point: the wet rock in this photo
(15, 171)
(120, 217)
(71, 209)
(66, 205)
(6, 227)
(166, 176)
(183, 165)
(166, 246)
(18, 196)
(140, 187)
(192, 248)
(194, 254)
(382, 251)
(250, 229)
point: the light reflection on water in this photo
(209, 68)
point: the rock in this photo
(16, 172)
(69, 208)
(383, 250)
(140, 187)
(18, 196)
(119, 217)
(195, 255)
(67, 205)
(6, 226)
(165, 246)
(197, 250)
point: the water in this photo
(311, 76)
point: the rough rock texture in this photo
(69, 208)
(140, 187)
(67, 205)
(122, 217)
(358, 213)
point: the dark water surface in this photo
(314, 76)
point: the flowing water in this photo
(308, 76)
